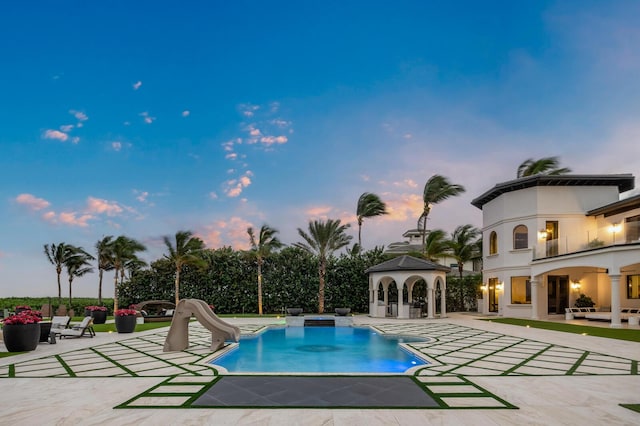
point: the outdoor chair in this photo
(79, 330)
(60, 322)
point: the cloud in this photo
(270, 140)
(66, 128)
(248, 110)
(231, 232)
(117, 146)
(32, 202)
(213, 195)
(147, 118)
(231, 156)
(402, 207)
(55, 134)
(406, 183)
(235, 186)
(71, 219)
(280, 123)
(100, 206)
(137, 85)
(75, 140)
(318, 212)
(186, 113)
(79, 115)
(49, 216)
(142, 196)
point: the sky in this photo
(149, 117)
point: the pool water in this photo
(320, 350)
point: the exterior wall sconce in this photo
(484, 287)
(500, 286)
(615, 227)
(575, 285)
(542, 234)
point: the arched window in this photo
(493, 243)
(520, 237)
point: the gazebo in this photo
(398, 278)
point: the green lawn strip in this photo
(632, 407)
(465, 382)
(7, 354)
(577, 364)
(105, 328)
(525, 361)
(65, 366)
(610, 333)
(114, 362)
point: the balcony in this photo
(603, 237)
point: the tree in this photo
(369, 205)
(187, 251)
(322, 240)
(437, 189)
(464, 248)
(436, 245)
(260, 249)
(77, 265)
(105, 261)
(544, 166)
(58, 255)
(123, 249)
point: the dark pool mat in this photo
(307, 391)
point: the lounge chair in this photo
(79, 330)
(59, 322)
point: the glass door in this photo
(552, 237)
(493, 295)
(558, 294)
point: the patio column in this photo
(534, 299)
(443, 300)
(615, 301)
(430, 297)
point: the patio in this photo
(481, 372)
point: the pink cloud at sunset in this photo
(32, 202)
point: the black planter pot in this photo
(126, 324)
(294, 312)
(99, 317)
(343, 311)
(21, 337)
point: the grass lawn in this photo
(102, 328)
(611, 333)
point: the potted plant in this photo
(21, 332)
(584, 301)
(98, 313)
(22, 308)
(125, 320)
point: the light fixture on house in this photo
(542, 234)
(483, 287)
(575, 285)
(500, 286)
(615, 227)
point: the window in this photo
(520, 290)
(633, 286)
(520, 237)
(493, 243)
(632, 228)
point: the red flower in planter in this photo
(125, 312)
(24, 317)
(96, 308)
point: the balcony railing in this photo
(591, 240)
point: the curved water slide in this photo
(178, 336)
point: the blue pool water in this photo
(320, 350)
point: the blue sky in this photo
(145, 118)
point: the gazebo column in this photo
(373, 297)
(534, 299)
(615, 301)
(386, 299)
(430, 297)
(443, 300)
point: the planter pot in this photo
(125, 324)
(343, 312)
(99, 317)
(294, 312)
(21, 337)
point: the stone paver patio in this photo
(479, 366)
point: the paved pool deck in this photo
(483, 373)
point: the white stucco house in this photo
(548, 239)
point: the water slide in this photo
(178, 336)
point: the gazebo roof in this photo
(407, 263)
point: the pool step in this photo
(319, 322)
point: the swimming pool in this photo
(320, 350)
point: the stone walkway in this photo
(466, 354)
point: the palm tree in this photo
(464, 246)
(123, 249)
(545, 166)
(323, 239)
(187, 251)
(78, 265)
(105, 261)
(58, 255)
(437, 189)
(369, 205)
(436, 245)
(261, 248)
